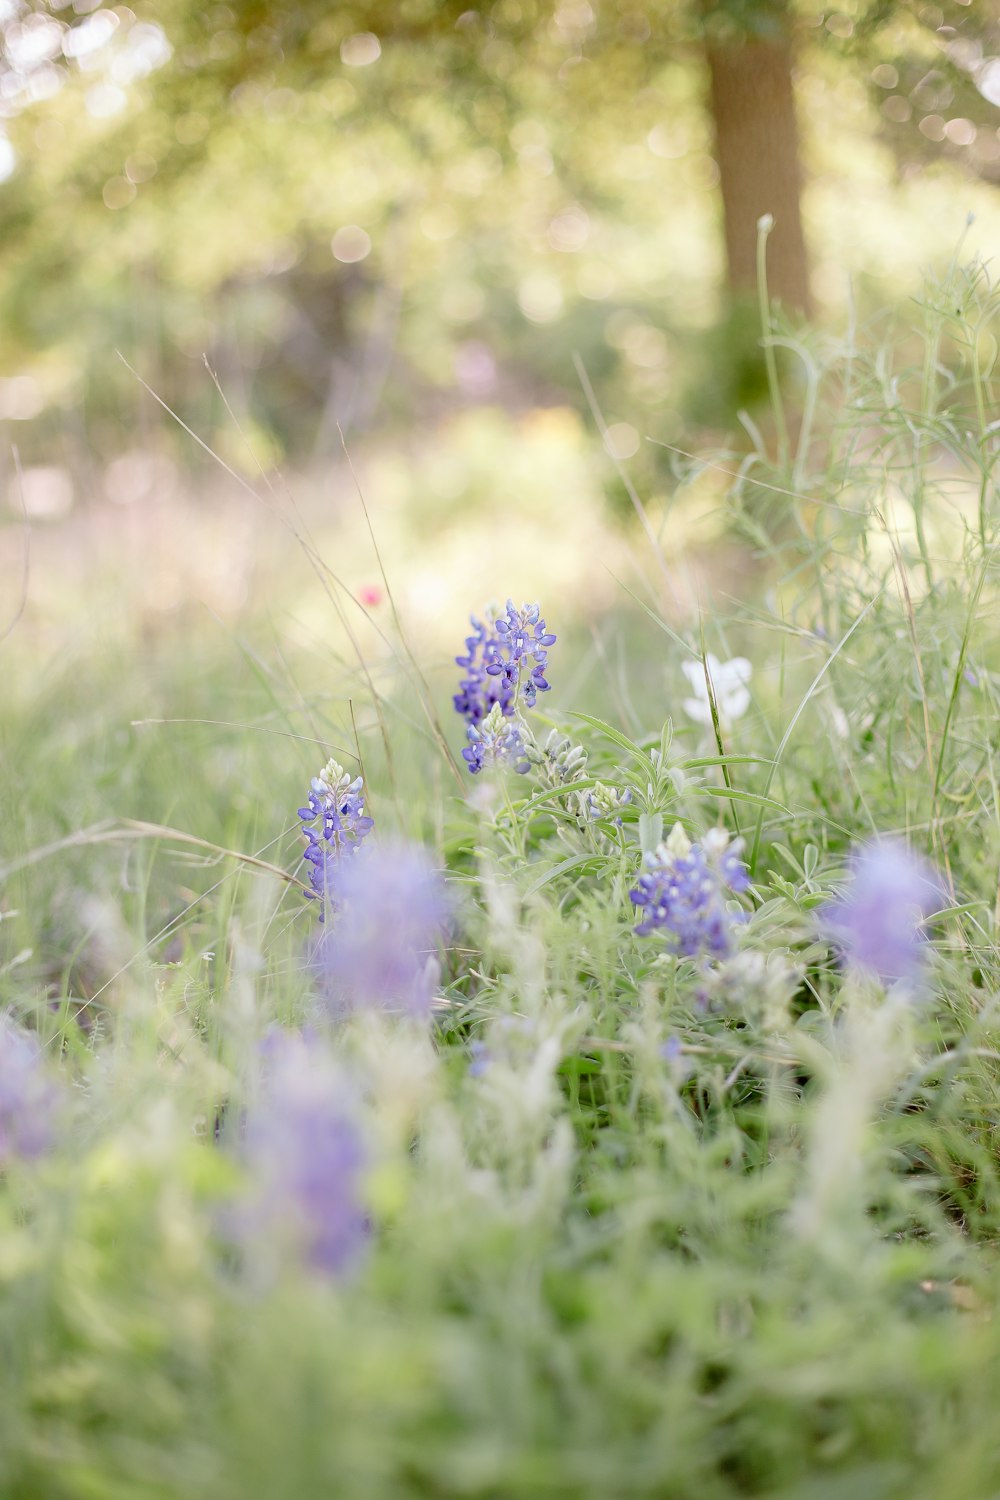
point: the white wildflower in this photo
(730, 683)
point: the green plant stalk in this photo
(764, 227)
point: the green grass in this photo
(768, 1266)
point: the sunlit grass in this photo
(638, 1225)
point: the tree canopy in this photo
(272, 182)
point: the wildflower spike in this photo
(505, 661)
(334, 823)
(683, 892)
(496, 742)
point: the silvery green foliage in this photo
(560, 761)
(757, 986)
(606, 802)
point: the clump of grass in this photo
(708, 1209)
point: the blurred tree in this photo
(309, 191)
(750, 54)
(934, 71)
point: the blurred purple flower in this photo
(672, 1050)
(684, 888)
(391, 911)
(28, 1096)
(877, 923)
(680, 1067)
(306, 1159)
(481, 1058)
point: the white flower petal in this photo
(736, 672)
(698, 709)
(695, 674)
(735, 704)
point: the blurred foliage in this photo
(395, 207)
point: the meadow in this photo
(412, 1168)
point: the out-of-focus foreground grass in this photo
(633, 1223)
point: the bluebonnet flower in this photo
(561, 761)
(603, 801)
(28, 1097)
(683, 892)
(334, 823)
(480, 1058)
(392, 909)
(680, 1067)
(477, 692)
(505, 662)
(877, 924)
(496, 742)
(306, 1158)
(519, 651)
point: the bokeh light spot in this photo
(350, 244)
(360, 50)
(885, 75)
(960, 131)
(118, 192)
(621, 440)
(897, 109)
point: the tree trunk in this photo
(756, 136)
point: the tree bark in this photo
(756, 134)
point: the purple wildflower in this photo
(28, 1096)
(519, 650)
(496, 742)
(306, 1160)
(877, 924)
(683, 891)
(477, 692)
(505, 661)
(679, 1066)
(480, 1058)
(334, 823)
(392, 909)
(672, 1050)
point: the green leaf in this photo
(556, 792)
(701, 761)
(650, 831)
(575, 862)
(732, 794)
(616, 736)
